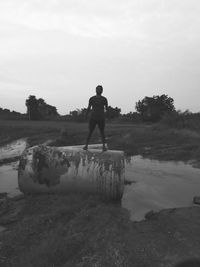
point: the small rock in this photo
(18, 197)
(128, 182)
(3, 203)
(2, 229)
(151, 215)
(3, 195)
(196, 200)
(3, 206)
(2, 259)
(178, 236)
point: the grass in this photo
(155, 141)
(36, 131)
(159, 143)
(182, 120)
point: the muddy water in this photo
(159, 185)
(8, 172)
(8, 179)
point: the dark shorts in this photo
(100, 123)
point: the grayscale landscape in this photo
(140, 204)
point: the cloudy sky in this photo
(60, 50)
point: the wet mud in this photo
(158, 185)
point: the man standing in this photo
(98, 103)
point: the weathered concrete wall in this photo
(72, 169)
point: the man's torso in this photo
(98, 103)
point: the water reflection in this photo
(8, 179)
(158, 185)
(8, 172)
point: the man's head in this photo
(99, 89)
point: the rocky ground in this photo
(81, 230)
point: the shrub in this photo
(182, 120)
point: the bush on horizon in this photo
(181, 120)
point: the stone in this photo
(196, 200)
(129, 182)
(3, 195)
(44, 169)
(151, 215)
(2, 229)
(18, 197)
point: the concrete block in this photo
(44, 169)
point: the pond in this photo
(159, 185)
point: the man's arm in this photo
(88, 108)
(106, 107)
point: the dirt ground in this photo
(86, 231)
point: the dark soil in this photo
(84, 230)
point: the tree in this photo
(37, 109)
(41, 101)
(153, 108)
(113, 112)
(133, 117)
(32, 107)
(78, 115)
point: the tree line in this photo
(149, 109)
(7, 114)
(8, 111)
(79, 115)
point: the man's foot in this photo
(85, 147)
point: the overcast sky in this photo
(60, 50)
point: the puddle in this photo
(8, 172)
(8, 179)
(159, 185)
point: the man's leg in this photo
(92, 125)
(101, 125)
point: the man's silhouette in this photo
(98, 103)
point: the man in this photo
(98, 103)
